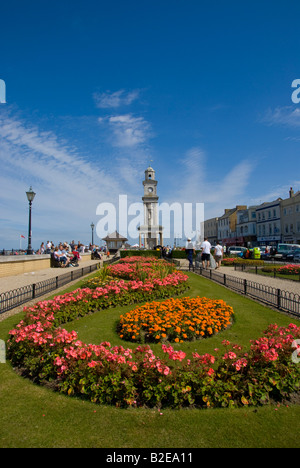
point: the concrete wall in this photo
(17, 264)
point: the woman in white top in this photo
(218, 254)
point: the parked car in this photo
(297, 256)
(293, 256)
(236, 250)
(283, 250)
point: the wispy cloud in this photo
(288, 116)
(202, 182)
(275, 192)
(109, 100)
(68, 186)
(127, 130)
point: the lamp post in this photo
(92, 226)
(30, 196)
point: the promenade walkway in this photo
(283, 284)
(17, 281)
(9, 283)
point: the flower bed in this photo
(136, 377)
(82, 301)
(175, 320)
(140, 268)
(229, 261)
(137, 268)
(49, 354)
(289, 270)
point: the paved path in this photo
(283, 284)
(17, 281)
(13, 282)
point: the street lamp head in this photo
(30, 194)
(92, 225)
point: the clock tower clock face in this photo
(150, 189)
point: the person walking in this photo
(205, 255)
(218, 254)
(190, 249)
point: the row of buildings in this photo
(267, 224)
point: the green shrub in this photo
(140, 253)
(181, 254)
(229, 261)
(270, 268)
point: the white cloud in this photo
(127, 130)
(115, 99)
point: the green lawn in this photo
(277, 275)
(33, 416)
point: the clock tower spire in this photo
(151, 231)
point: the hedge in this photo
(140, 253)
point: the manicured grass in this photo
(33, 416)
(270, 274)
(250, 320)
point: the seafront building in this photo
(267, 224)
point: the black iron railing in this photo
(16, 297)
(273, 272)
(276, 298)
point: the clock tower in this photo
(150, 230)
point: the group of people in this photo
(50, 247)
(206, 257)
(67, 254)
(98, 252)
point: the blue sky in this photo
(96, 90)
